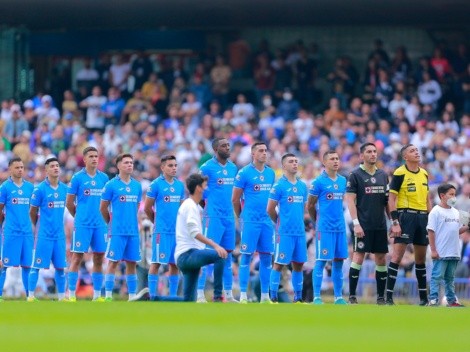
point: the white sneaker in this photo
(231, 300)
(143, 295)
(201, 300)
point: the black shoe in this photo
(389, 302)
(353, 300)
(218, 300)
(423, 302)
(381, 301)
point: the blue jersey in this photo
(218, 194)
(330, 202)
(256, 186)
(291, 199)
(16, 207)
(168, 197)
(51, 204)
(87, 191)
(124, 199)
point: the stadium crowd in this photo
(132, 104)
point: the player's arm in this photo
(429, 202)
(70, 204)
(148, 208)
(432, 244)
(395, 186)
(33, 214)
(311, 207)
(104, 204)
(2, 215)
(271, 210)
(236, 195)
(352, 207)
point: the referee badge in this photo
(373, 180)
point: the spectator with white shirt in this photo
(94, 116)
(429, 92)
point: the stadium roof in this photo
(53, 15)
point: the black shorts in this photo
(413, 228)
(374, 241)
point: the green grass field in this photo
(155, 326)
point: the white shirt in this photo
(446, 224)
(189, 215)
(94, 119)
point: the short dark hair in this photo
(165, 158)
(444, 188)
(216, 141)
(51, 160)
(122, 156)
(363, 147)
(328, 152)
(253, 147)
(194, 180)
(285, 156)
(404, 148)
(89, 149)
(15, 159)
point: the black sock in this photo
(391, 278)
(353, 279)
(381, 277)
(420, 270)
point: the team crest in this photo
(373, 180)
(6, 260)
(56, 195)
(360, 245)
(162, 255)
(111, 253)
(128, 189)
(261, 177)
(50, 205)
(256, 187)
(172, 189)
(348, 184)
(225, 172)
(282, 255)
(38, 261)
(14, 200)
(220, 181)
(324, 252)
(294, 189)
(93, 183)
(20, 192)
(33, 196)
(77, 244)
(244, 247)
(335, 186)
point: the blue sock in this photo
(337, 277)
(3, 275)
(109, 282)
(153, 285)
(297, 284)
(244, 271)
(25, 277)
(274, 284)
(265, 266)
(173, 284)
(73, 278)
(228, 274)
(131, 283)
(33, 280)
(201, 282)
(60, 280)
(97, 279)
(317, 278)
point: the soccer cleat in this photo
(353, 300)
(455, 304)
(389, 302)
(243, 301)
(108, 299)
(433, 303)
(143, 295)
(32, 299)
(341, 301)
(381, 301)
(201, 300)
(299, 301)
(267, 301)
(423, 302)
(231, 300)
(98, 299)
(215, 300)
(72, 299)
(317, 301)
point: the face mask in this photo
(451, 201)
(267, 102)
(287, 96)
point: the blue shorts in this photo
(123, 248)
(85, 237)
(17, 250)
(290, 249)
(331, 245)
(221, 231)
(47, 250)
(257, 236)
(163, 248)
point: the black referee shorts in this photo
(374, 241)
(413, 228)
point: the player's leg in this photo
(173, 278)
(41, 260)
(380, 276)
(420, 243)
(3, 275)
(324, 251)
(437, 275)
(60, 263)
(10, 254)
(299, 257)
(131, 278)
(209, 230)
(132, 255)
(354, 271)
(265, 250)
(154, 265)
(283, 256)
(114, 254)
(399, 248)
(98, 246)
(79, 244)
(249, 237)
(26, 260)
(340, 254)
(228, 243)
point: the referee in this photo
(367, 198)
(409, 204)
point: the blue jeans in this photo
(190, 263)
(443, 269)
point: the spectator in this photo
(429, 91)
(95, 120)
(289, 107)
(15, 126)
(220, 79)
(87, 76)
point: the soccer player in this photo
(253, 183)
(219, 221)
(328, 190)
(166, 192)
(367, 200)
(47, 208)
(444, 230)
(409, 203)
(83, 203)
(18, 242)
(191, 252)
(123, 193)
(290, 195)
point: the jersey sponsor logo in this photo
(295, 199)
(14, 200)
(56, 204)
(290, 199)
(374, 190)
(128, 198)
(166, 199)
(50, 205)
(256, 187)
(122, 198)
(220, 181)
(86, 192)
(334, 196)
(329, 196)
